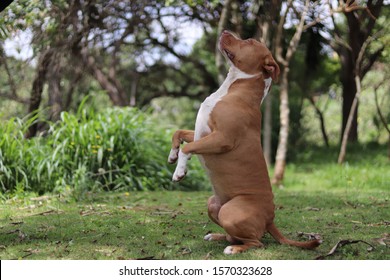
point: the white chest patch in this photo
(267, 86)
(201, 125)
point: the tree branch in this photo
(199, 65)
(13, 95)
(297, 35)
(278, 41)
(378, 109)
(359, 68)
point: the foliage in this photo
(349, 202)
(140, 51)
(117, 149)
(179, 113)
(127, 47)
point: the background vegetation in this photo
(91, 92)
(117, 149)
(74, 58)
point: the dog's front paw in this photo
(173, 155)
(181, 168)
(179, 174)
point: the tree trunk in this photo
(113, 88)
(382, 117)
(78, 75)
(266, 15)
(133, 92)
(36, 91)
(322, 120)
(222, 24)
(349, 123)
(349, 92)
(267, 117)
(359, 73)
(281, 153)
(263, 33)
(360, 26)
(54, 90)
(267, 130)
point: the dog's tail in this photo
(272, 229)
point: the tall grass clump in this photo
(117, 149)
(12, 149)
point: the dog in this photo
(227, 141)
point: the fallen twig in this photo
(16, 223)
(340, 244)
(49, 212)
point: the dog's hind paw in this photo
(229, 250)
(235, 249)
(214, 237)
(208, 237)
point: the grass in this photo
(349, 202)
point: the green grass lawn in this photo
(349, 202)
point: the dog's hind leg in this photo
(215, 237)
(243, 226)
(213, 207)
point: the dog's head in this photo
(250, 56)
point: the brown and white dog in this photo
(227, 141)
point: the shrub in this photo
(12, 168)
(119, 148)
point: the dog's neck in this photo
(235, 74)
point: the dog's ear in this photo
(271, 68)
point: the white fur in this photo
(201, 126)
(208, 237)
(228, 250)
(181, 167)
(173, 155)
(267, 86)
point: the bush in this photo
(117, 149)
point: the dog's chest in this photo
(201, 125)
